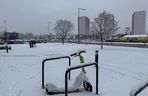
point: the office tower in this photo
(138, 22)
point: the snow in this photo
(120, 69)
(144, 35)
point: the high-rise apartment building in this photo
(138, 22)
(84, 25)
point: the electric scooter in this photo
(80, 84)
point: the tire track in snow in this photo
(125, 72)
(120, 73)
(139, 74)
(14, 91)
(14, 69)
(17, 88)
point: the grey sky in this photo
(33, 15)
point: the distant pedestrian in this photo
(34, 43)
(30, 43)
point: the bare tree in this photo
(62, 28)
(104, 26)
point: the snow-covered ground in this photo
(120, 69)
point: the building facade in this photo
(138, 22)
(10, 36)
(84, 23)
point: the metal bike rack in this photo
(70, 68)
(78, 67)
(49, 59)
(82, 66)
(139, 90)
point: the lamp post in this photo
(79, 23)
(7, 37)
(5, 24)
(49, 30)
(49, 27)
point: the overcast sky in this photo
(33, 15)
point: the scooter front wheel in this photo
(87, 86)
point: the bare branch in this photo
(104, 25)
(62, 28)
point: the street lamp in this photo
(78, 23)
(5, 23)
(49, 30)
(49, 27)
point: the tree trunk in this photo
(101, 43)
(63, 41)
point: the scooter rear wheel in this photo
(87, 86)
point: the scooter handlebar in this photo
(78, 53)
